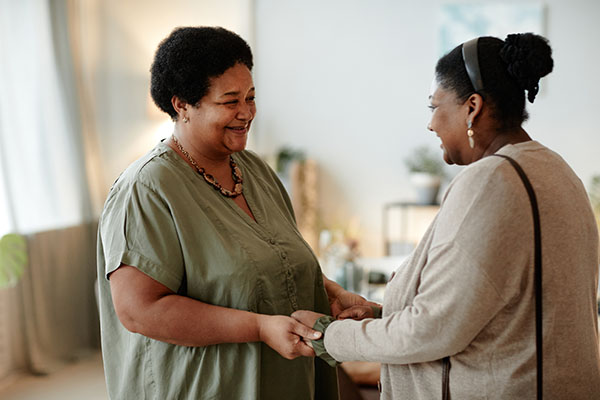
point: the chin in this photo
(447, 158)
(237, 145)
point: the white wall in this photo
(347, 81)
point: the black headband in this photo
(469, 53)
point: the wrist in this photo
(261, 322)
(318, 345)
(322, 323)
(332, 288)
(377, 311)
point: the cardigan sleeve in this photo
(444, 317)
(472, 266)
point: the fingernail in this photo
(317, 334)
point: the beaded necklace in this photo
(236, 173)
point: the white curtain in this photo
(7, 223)
(40, 142)
(44, 186)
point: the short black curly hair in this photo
(188, 58)
(508, 68)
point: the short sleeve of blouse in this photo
(137, 229)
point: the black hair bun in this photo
(528, 58)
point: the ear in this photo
(474, 106)
(179, 105)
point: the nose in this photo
(429, 127)
(246, 111)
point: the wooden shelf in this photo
(404, 224)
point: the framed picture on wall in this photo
(459, 22)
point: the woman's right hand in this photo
(285, 335)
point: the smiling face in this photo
(449, 122)
(219, 123)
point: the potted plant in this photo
(13, 259)
(285, 156)
(283, 162)
(426, 173)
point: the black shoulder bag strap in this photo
(537, 276)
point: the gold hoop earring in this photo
(470, 134)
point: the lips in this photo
(239, 129)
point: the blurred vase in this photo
(427, 187)
(350, 276)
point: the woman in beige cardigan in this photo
(467, 290)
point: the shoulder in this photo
(254, 162)
(152, 177)
(488, 176)
(257, 167)
(480, 198)
(154, 170)
(494, 175)
(532, 151)
(263, 176)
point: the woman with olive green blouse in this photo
(162, 218)
(200, 262)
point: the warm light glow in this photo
(152, 110)
(164, 130)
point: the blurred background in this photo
(342, 95)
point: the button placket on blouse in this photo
(289, 276)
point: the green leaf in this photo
(424, 159)
(13, 259)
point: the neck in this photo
(205, 158)
(234, 176)
(502, 139)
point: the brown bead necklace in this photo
(236, 173)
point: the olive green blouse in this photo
(164, 219)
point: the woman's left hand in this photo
(357, 313)
(345, 300)
(341, 299)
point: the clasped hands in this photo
(292, 337)
(346, 305)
